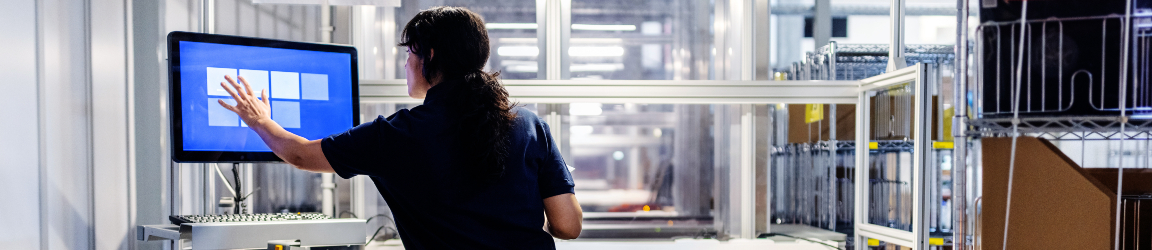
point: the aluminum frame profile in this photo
(918, 237)
(645, 91)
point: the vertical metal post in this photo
(922, 114)
(542, 29)
(326, 22)
(861, 202)
(747, 172)
(822, 23)
(959, 139)
(208, 181)
(762, 28)
(556, 28)
(565, 32)
(896, 47)
(832, 165)
(208, 16)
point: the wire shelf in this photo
(858, 61)
(1066, 128)
(893, 145)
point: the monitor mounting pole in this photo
(896, 46)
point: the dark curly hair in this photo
(480, 101)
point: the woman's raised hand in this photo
(250, 108)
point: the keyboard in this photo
(181, 219)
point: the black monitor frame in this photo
(174, 39)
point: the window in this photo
(640, 40)
(839, 26)
(512, 34)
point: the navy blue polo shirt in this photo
(436, 202)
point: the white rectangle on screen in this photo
(220, 116)
(314, 86)
(285, 85)
(286, 113)
(258, 79)
(215, 77)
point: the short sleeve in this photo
(554, 177)
(353, 150)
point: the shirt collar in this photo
(439, 94)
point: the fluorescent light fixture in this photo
(511, 26)
(517, 40)
(608, 27)
(574, 40)
(598, 40)
(522, 68)
(382, 3)
(581, 130)
(596, 67)
(518, 51)
(585, 109)
(602, 51)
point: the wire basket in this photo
(1068, 66)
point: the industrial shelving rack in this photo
(1119, 102)
(821, 199)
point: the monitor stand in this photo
(238, 198)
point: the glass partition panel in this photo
(640, 40)
(512, 33)
(293, 22)
(643, 170)
(890, 180)
(812, 169)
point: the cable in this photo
(379, 228)
(798, 238)
(236, 176)
(380, 215)
(225, 179)
(1015, 123)
(347, 212)
(376, 233)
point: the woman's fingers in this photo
(239, 91)
(230, 91)
(264, 96)
(225, 104)
(247, 86)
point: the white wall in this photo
(20, 149)
(112, 138)
(65, 127)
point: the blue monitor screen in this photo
(309, 91)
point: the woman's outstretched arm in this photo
(256, 113)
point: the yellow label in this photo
(279, 247)
(873, 242)
(873, 145)
(942, 144)
(813, 113)
(936, 241)
(948, 114)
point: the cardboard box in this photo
(802, 132)
(1055, 203)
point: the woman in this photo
(465, 170)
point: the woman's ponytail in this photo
(491, 119)
(459, 41)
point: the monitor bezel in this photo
(176, 127)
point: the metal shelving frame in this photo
(1119, 127)
(858, 61)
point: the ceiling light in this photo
(609, 27)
